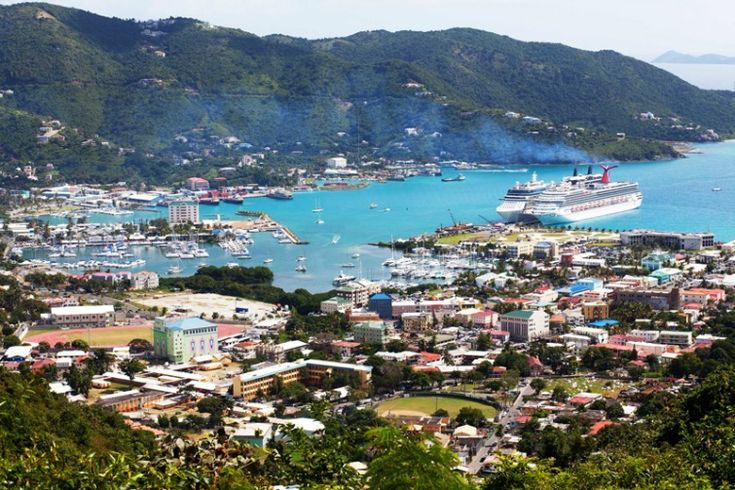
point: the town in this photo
(541, 336)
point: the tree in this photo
(538, 384)
(131, 367)
(80, 380)
(440, 413)
(138, 346)
(11, 341)
(559, 394)
(424, 463)
(615, 411)
(471, 416)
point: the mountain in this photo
(709, 59)
(445, 94)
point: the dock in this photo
(292, 236)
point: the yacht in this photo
(317, 208)
(267, 261)
(301, 268)
(342, 279)
(355, 255)
(457, 178)
(348, 265)
(373, 205)
(301, 258)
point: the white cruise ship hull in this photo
(511, 212)
(581, 213)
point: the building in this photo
(382, 304)
(702, 296)
(144, 280)
(183, 212)
(656, 260)
(674, 241)
(414, 323)
(335, 305)
(675, 337)
(310, 372)
(337, 162)
(525, 325)
(197, 184)
(547, 249)
(182, 339)
(369, 332)
(597, 310)
(82, 316)
(278, 352)
(658, 299)
(518, 249)
(598, 335)
(666, 274)
(357, 292)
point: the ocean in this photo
(677, 196)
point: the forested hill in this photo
(143, 83)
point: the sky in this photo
(640, 28)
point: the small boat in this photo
(348, 265)
(319, 221)
(175, 269)
(301, 268)
(335, 239)
(457, 178)
(355, 255)
(386, 210)
(301, 258)
(373, 205)
(716, 189)
(267, 261)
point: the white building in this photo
(182, 212)
(598, 335)
(337, 162)
(82, 316)
(525, 325)
(144, 280)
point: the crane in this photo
(454, 221)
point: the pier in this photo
(292, 236)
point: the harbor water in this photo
(677, 196)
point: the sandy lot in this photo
(206, 303)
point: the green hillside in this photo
(140, 84)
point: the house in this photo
(258, 434)
(197, 184)
(370, 332)
(344, 348)
(82, 316)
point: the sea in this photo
(677, 196)
(703, 75)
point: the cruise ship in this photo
(515, 200)
(585, 197)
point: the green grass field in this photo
(429, 404)
(455, 239)
(102, 337)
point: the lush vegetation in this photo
(103, 76)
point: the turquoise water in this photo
(677, 197)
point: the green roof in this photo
(525, 314)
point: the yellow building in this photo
(310, 372)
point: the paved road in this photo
(505, 417)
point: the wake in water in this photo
(505, 170)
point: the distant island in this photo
(704, 59)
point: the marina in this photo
(351, 222)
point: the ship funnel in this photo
(576, 172)
(606, 173)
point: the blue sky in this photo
(640, 28)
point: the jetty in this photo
(292, 236)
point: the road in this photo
(505, 417)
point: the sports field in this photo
(110, 336)
(426, 405)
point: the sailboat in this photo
(319, 220)
(317, 208)
(373, 205)
(176, 268)
(335, 239)
(301, 267)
